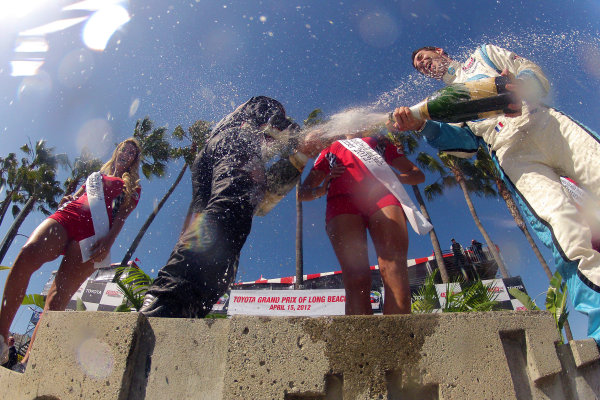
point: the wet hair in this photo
(131, 178)
(431, 48)
(257, 111)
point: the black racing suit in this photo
(229, 180)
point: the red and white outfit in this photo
(75, 216)
(356, 191)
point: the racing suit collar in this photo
(450, 74)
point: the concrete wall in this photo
(495, 355)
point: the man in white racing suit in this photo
(532, 147)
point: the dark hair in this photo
(414, 53)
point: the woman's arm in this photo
(409, 174)
(311, 190)
(102, 246)
(72, 197)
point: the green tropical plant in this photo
(470, 180)
(556, 301)
(133, 283)
(472, 296)
(80, 305)
(81, 168)
(34, 300)
(34, 184)
(37, 169)
(40, 301)
(156, 150)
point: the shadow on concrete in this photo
(139, 362)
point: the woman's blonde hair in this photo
(131, 178)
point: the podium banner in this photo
(287, 302)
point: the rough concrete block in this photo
(82, 355)
(494, 355)
(584, 352)
(187, 359)
(417, 356)
(269, 358)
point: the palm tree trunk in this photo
(14, 228)
(72, 187)
(514, 211)
(151, 217)
(437, 250)
(484, 233)
(516, 214)
(6, 203)
(299, 242)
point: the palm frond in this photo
(527, 301)
(34, 300)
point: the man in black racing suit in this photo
(230, 185)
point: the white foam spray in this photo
(349, 121)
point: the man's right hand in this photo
(405, 121)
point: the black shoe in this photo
(154, 306)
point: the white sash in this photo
(382, 171)
(95, 194)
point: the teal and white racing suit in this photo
(532, 151)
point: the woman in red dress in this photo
(357, 202)
(60, 234)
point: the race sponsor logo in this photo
(514, 282)
(451, 71)
(93, 292)
(112, 296)
(469, 65)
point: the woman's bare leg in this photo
(45, 244)
(388, 230)
(348, 237)
(71, 274)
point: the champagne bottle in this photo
(483, 98)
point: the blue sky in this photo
(181, 61)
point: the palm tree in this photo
(156, 150)
(82, 167)
(409, 145)
(38, 156)
(470, 180)
(486, 165)
(36, 186)
(196, 135)
(8, 168)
